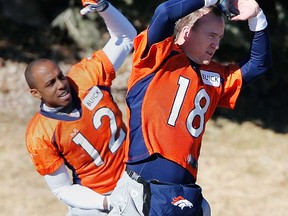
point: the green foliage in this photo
(85, 32)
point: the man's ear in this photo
(183, 34)
(36, 93)
(186, 31)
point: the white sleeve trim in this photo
(258, 22)
(73, 195)
(210, 2)
(122, 34)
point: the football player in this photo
(79, 125)
(173, 90)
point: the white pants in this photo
(127, 199)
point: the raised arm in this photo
(260, 58)
(167, 13)
(122, 32)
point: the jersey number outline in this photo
(114, 144)
(183, 84)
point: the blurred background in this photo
(55, 29)
(244, 150)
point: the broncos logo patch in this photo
(181, 202)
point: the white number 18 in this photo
(197, 111)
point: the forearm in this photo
(80, 197)
(122, 34)
(260, 59)
(167, 13)
(73, 195)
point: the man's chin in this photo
(66, 103)
(206, 62)
(69, 102)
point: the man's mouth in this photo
(210, 53)
(64, 93)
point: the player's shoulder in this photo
(40, 125)
(96, 69)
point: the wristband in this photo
(101, 6)
(258, 22)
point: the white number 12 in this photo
(114, 145)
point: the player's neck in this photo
(70, 110)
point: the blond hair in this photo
(191, 19)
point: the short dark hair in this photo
(29, 73)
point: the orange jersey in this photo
(91, 145)
(169, 102)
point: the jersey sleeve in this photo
(146, 61)
(45, 156)
(232, 84)
(97, 70)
